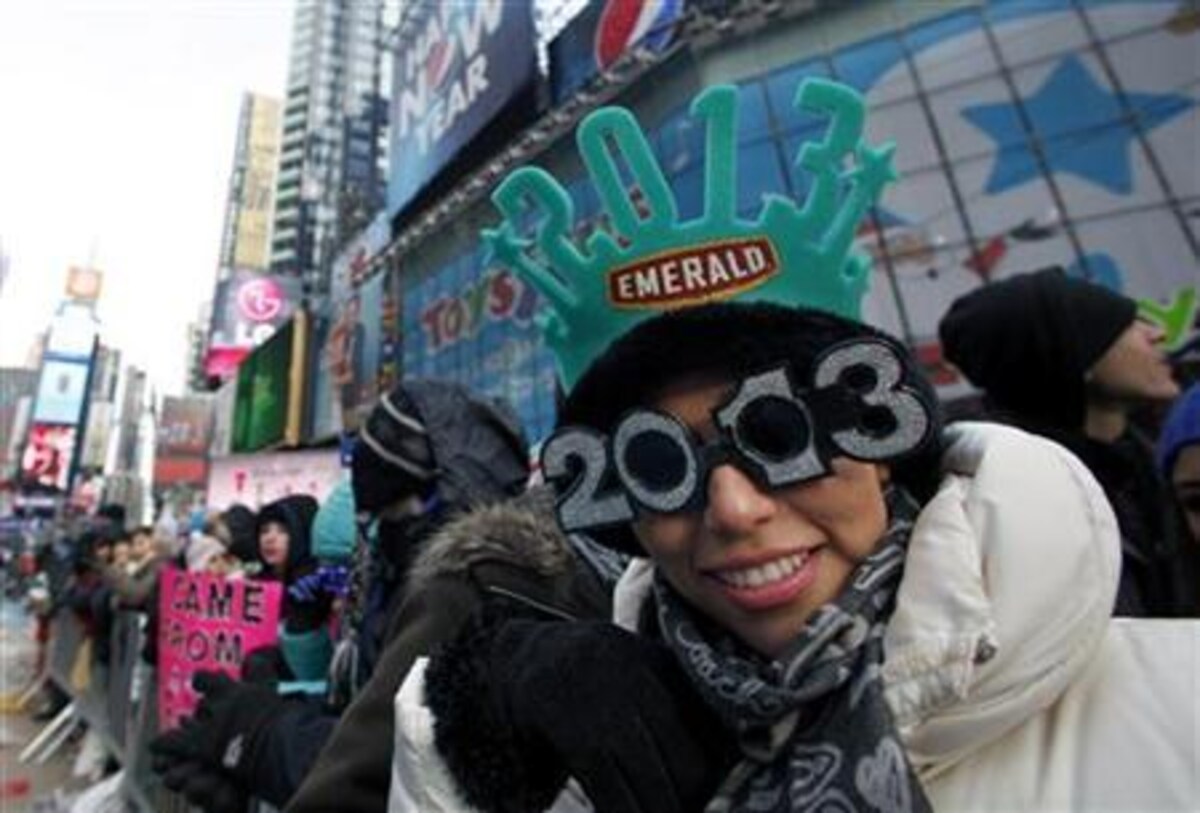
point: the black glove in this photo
(218, 746)
(211, 789)
(520, 705)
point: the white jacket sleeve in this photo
(1007, 593)
(1125, 736)
(421, 781)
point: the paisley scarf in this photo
(814, 731)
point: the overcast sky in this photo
(117, 123)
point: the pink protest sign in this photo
(208, 624)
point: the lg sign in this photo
(260, 300)
(627, 23)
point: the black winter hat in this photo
(296, 513)
(243, 531)
(429, 437)
(392, 456)
(726, 340)
(1028, 342)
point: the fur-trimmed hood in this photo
(522, 531)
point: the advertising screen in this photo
(360, 348)
(247, 309)
(604, 31)
(257, 479)
(182, 441)
(61, 392)
(270, 390)
(474, 324)
(47, 459)
(457, 66)
(73, 332)
(185, 425)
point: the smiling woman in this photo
(835, 603)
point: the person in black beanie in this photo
(1069, 360)
(441, 473)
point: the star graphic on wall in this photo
(1082, 126)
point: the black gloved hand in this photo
(520, 705)
(210, 789)
(221, 738)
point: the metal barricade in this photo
(116, 700)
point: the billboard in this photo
(181, 441)
(350, 265)
(247, 309)
(456, 66)
(84, 284)
(47, 459)
(475, 324)
(361, 347)
(257, 479)
(185, 425)
(269, 405)
(602, 32)
(73, 332)
(62, 390)
(252, 226)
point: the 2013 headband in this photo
(861, 404)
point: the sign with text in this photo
(247, 309)
(208, 624)
(457, 66)
(602, 33)
(257, 479)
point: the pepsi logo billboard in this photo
(457, 65)
(604, 31)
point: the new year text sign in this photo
(208, 624)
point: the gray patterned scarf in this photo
(814, 730)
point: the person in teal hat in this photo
(835, 603)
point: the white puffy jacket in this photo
(1011, 687)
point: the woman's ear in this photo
(884, 473)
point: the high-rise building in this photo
(196, 379)
(246, 241)
(331, 166)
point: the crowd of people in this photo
(753, 569)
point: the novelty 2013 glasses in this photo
(861, 405)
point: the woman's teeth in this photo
(764, 574)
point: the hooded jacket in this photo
(1011, 686)
(295, 513)
(1028, 342)
(508, 553)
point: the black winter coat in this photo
(511, 554)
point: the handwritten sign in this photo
(208, 624)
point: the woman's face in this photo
(760, 562)
(1134, 367)
(273, 542)
(1185, 479)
